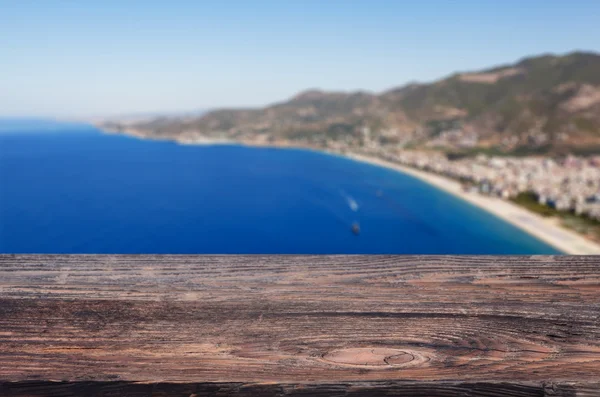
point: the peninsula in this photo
(521, 141)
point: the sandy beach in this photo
(542, 228)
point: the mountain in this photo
(546, 103)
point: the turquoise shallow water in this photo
(75, 190)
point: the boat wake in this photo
(353, 204)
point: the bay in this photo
(77, 190)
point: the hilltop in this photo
(540, 104)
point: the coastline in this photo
(541, 228)
(544, 229)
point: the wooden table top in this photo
(299, 325)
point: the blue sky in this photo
(81, 58)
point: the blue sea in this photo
(73, 189)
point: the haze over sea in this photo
(68, 188)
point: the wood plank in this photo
(345, 389)
(291, 325)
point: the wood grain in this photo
(299, 325)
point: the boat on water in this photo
(355, 228)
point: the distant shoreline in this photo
(544, 229)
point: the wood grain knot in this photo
(370, 357)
